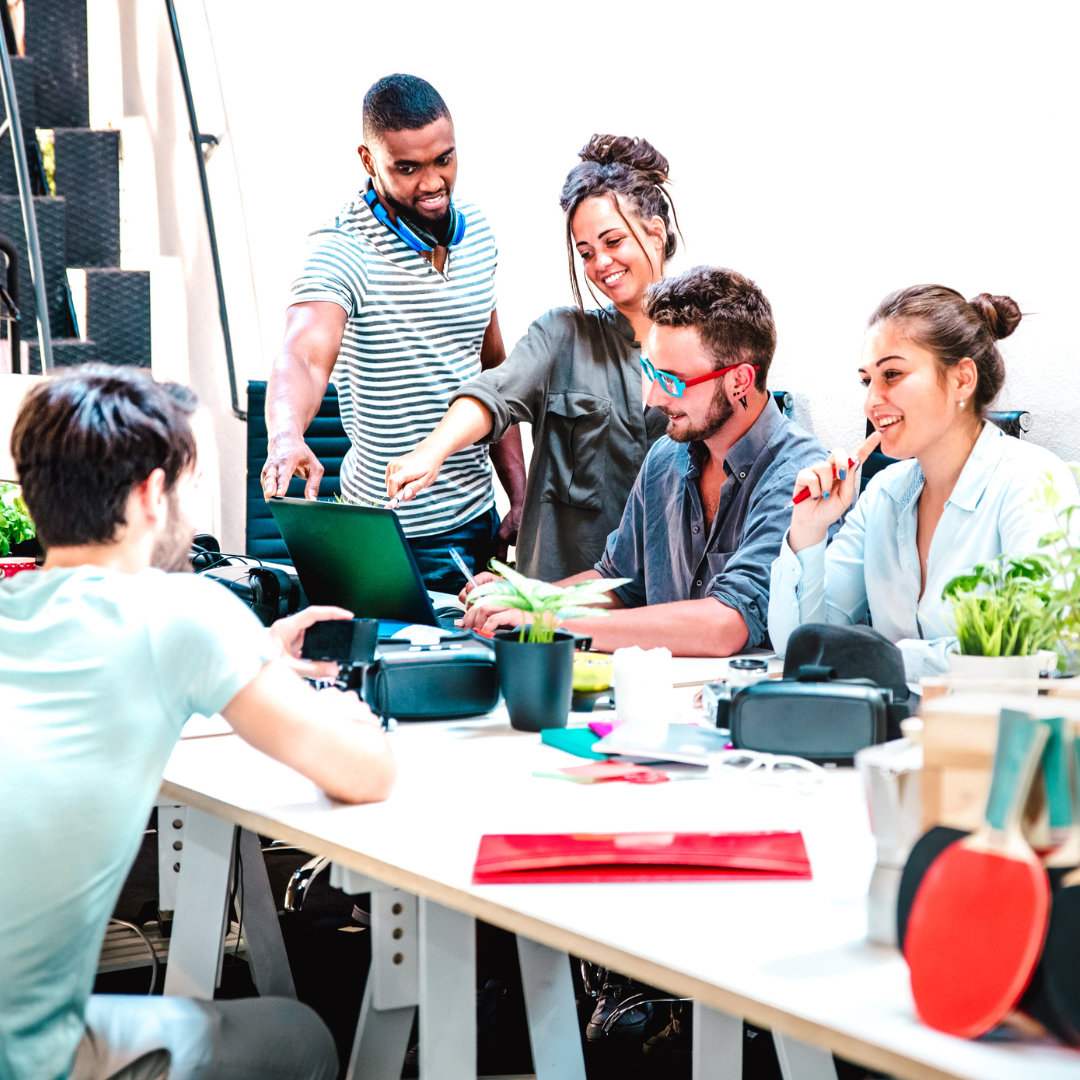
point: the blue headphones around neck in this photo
(419, 239)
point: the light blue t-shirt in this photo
(872, 567)
(99, 670)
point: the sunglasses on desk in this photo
(673, 386)
(770, 768)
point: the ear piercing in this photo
(962, 403)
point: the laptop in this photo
(355, 557)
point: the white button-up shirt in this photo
(872, 569)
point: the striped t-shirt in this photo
(412, 337)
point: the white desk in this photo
(787, 955)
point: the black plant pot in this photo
(536, 678)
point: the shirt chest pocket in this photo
(574, 445)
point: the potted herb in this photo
(16, 530)
(1004, 609)
(536, 663)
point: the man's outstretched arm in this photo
(296, 388)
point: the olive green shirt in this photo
(576, 377)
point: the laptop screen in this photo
(355, 557)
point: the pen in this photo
(862, 453)
(459, 562)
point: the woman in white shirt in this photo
(964, 493)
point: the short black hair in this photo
(84, 439)
(728, 310)
(401, 103)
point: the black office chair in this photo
(1012, 422)
(328, 442)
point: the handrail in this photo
(199, 141)
(26, 203)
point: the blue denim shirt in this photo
(872, 566)
(662, 543)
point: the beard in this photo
(720, 412)
(413, 215)
(172, 549)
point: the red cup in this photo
(13, 564)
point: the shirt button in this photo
(697, 584)
(742, 476)
(697, 528)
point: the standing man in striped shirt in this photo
(396, 299)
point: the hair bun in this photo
(1000, 313)
(637, 154)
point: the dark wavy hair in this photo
(728, 310)
(84, 439)
(618, 165)
(940, 320)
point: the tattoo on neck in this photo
(742, 402)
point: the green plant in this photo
(544, 602)
(15, 523)
(1004, 607)
(1061, 550)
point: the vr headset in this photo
(843, 689)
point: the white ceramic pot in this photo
(995, 668)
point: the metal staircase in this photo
(78, 226)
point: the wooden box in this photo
(959, 735)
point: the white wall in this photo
(832, 151)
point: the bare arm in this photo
(702, 627)
(464, 422)
(329, 736)
(297, 384)
(506, 455)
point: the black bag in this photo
(432, 682)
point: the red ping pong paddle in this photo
(979, 917)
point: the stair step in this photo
(118, 315)
(52, 237)
(88, 178)
(56, 40)
(22, 68)
(67, 352)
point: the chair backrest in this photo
(328, 441)
(784, 402)
(1013, 423)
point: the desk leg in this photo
(549, 1005)
(269, 962)
(801, 1061)
(447, 993)
(199, 923)
(718, 1045)
(392, 991)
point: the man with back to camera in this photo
(398, 292)
(103, 657)
(706, 517)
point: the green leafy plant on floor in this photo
(546, 603)
(15, 523)
(1003, 607)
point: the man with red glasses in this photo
(706, 515)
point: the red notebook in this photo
(522, 858)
